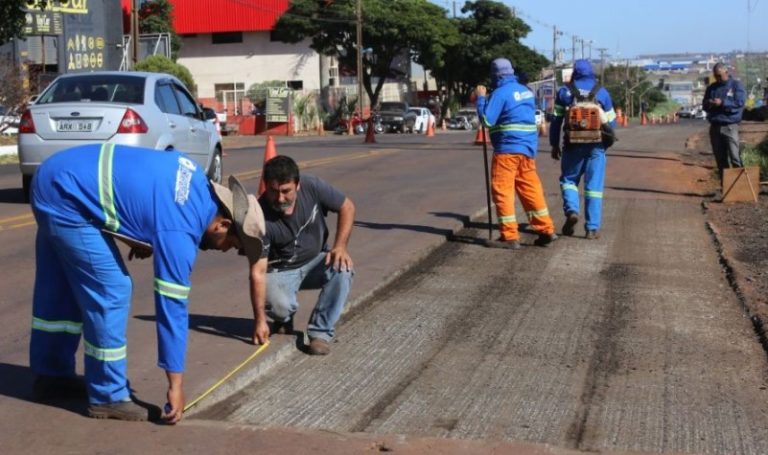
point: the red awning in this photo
(213, 16)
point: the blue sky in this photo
(627, 28)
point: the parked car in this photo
(459, 123)
(686, 112)
(151, 110)
(539, 117)
(212, 117)
(396, 116)
(423, 117)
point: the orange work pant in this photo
(510, 174)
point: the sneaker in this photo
(592, 235)
(48, 387)
(545, 240)
(318, 346)
(501, 243)
(571, 219)
(119, 410)
(284, 328)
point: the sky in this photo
(628, 28)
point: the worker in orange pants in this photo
(510, 174)
(509, 115)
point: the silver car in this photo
(152, 110)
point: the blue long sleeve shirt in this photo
(510, 116)
(162, 198)
(733, 96)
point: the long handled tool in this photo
(487, 182)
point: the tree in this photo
(160, 64)
(629, 87)
(392, 30)
(489, 31)
(12, 17)
(156, 16)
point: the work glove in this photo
(556, 153)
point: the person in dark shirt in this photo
(724, 102)
(298, 256)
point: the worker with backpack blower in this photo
(584, 111)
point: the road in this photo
(634, 342)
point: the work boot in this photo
(571, 219)
(592, 235)
(318, 346)
(284, 328)
(46, 387)
(119, 410)
(501, 243)
(545, 240)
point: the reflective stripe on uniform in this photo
(569, 186)
(72, 327)
(538, 213)
(171, 290)
(105, 355)
(106, 191)
(508, 219)
(610, 115)
(593, 194)
(559, 111)
(524, 127)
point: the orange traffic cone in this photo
(430, 128)
(479, 137)
(320, 129)
(643, 119)
(269, 153)
(370, 134)
(443, 125)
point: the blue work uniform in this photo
(82, 285)
(579, 160)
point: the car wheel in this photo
(26, 186)
(216, 170)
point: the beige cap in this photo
(246, 214)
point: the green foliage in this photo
(488, 31)
(257, 93)
(156, 16)
(630, 87)
(416, 29)
(12, 14)
(160, 64)
(757, 156)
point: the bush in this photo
(160, 64)
(757, 156)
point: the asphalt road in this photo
(633, 342)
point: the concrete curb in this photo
(287, 349)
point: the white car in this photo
(152, 110)
(423, 116)
(539, 117)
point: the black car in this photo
(396, 116)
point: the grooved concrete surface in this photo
(632, 342)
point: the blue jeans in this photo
(284, 285)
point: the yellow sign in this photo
(68, 6)
(85, 52)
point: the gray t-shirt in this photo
(292, 241)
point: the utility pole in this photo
(582, 48)
(359, 56)
(602, 63)
(134, 33)
(573, 53)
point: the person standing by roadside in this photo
(724, 102)
(510, 116)
(583, 153)
(298, 255)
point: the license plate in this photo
(75, 126)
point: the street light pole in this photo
(360, 56)
(134, 33)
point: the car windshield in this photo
(392, 107)
(99, 88)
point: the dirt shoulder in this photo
(740, 228)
